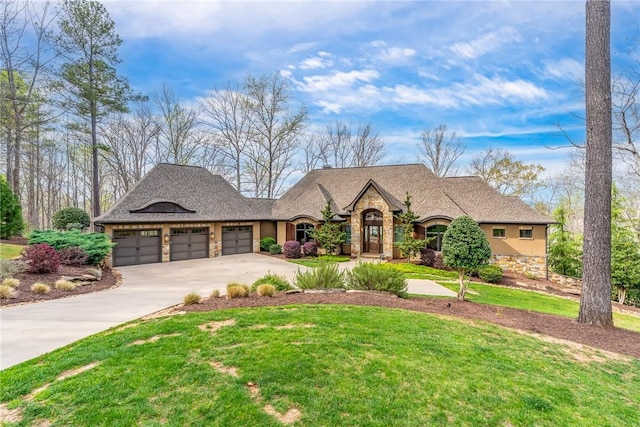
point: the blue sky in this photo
(499, 73)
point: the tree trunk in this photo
(595, 300)
(463, 288)
(622, 295)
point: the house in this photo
(184, 212)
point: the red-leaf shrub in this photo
(73, 255)
(427, 256)
(310, 249)
(41, 258)
(292, 249)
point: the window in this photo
(526, 233)
(397, 234)
(347, 231)
(499, 232)
(302, 232)
(434, 234)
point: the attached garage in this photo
(189, 243)
(237, 240)
(136, 247)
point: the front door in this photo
(373, 239)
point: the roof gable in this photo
(394, 204)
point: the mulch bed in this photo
(615, 340)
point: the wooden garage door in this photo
(189, 243)
(237, 240)
(136, 247)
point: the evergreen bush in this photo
(275, 249)
(70, 218)
(96, 245)
(490, 273)
(11, 223)
(326, 276)
(365, 276)
(279, 282)
(266, 242)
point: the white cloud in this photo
(487, 43)
(565, 69)
(337, 79)
(320, 61)
(396, 55)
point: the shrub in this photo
(235, 290)
(95, 272)
(266, 243)
(365, 276)
(42, 258)
(266, 290)
(65, 285)
(490, 273)
(191, 298)
(292, 249)
(427, 257)
(96, 245)
(11, 268)
(214, 294)
(9, 281)
(11, 223)
(7, 292)
(70, 217)
(280, 283)
(310, 249)
(41, 288)
(326, 276)
(73, 255)
(275, 249)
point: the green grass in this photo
(337, 368)
(534, 301)
(317, 261)
(10, 251)
(413, 271)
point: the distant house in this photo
(184, 212)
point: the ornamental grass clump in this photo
(325, 276)
(65, 285)
(10, 281)
(191, 299)
(41, 288)
(7, 292)
(280, 283)
(266, 290)
(237, 290)
(365, 276)
(214, 294)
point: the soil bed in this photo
(615, 339)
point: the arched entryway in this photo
(372, 235)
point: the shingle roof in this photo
(431, 197)
(194, 188)
(214, 199)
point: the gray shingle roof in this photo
(214, 199)
(194, 188)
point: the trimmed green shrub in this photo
(191, 298)
(11, 268)
(365, 276)
(292, 249)
(275, 249)
(266, 243)
(96, 245)
(326, 276)
(70, 218)
(490, 273)
(266, 290)
(279, 282)
(41, 258)
(310, 249)
(73, 255)
(11, 223)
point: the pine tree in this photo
(330, 235)
(409, 246)
(564, 248)
(11, 223)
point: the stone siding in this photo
(371, 199)
(566, 281)
(535, 265)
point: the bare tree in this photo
(509, 176)
(227, 112)
(367, 149)
(277, 129)
(626, 120)
(338, 141)
(179, 140)
(315, 151)
(595, 299)
(439, 150)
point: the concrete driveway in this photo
(28, 331)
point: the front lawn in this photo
(10, 251)
(322, 259)
(323, 366)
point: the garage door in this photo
(237, 240)
(189, 243)
(136, 247)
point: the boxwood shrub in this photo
(266, 242)
(490, 273)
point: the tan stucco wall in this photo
(267, 229)
(281, 232)
(512, 244)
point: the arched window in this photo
(302, 232)
(435, 232)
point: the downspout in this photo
(546, 252)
